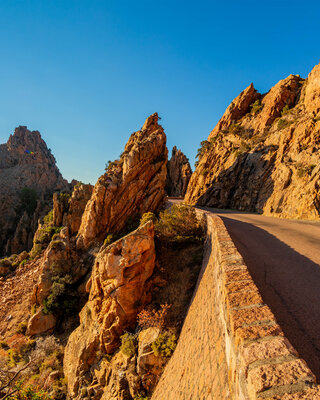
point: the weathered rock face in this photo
(58, 260)
(178, 175)
(40, 323)
(133, 185)
(68, 211)
(118, 290)
(267, 158)
(25, 162)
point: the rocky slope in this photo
(130, 187)
(28, 177)
(263, 155)
(67, 247)
(178, 174)
(118, 290)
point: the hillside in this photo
(263, 155)
(28, 178)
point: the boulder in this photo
(40, 323)
(118, 290)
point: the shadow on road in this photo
(289, 283)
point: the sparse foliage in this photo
(179, 224)
(165, 345)
(154, 318)
(128, 344)
(146, 217)
(256, 107)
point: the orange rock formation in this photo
(263, 154)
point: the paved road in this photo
(283, 257)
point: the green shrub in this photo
(13, 357)
(282, 123)
(29, 393)
(128, 344)
(78, 184)
(61, 299)
(165, 345)
(204, 146)
(146, 217)
(36, 250)
(64, 198)
(256, 107)
(47, 232)
(141, 396)
(23, 262)
(285, 110)
(305, 170)
(112, 237)
(179, 223)
(48, 219)
(110, 165)
(22, 327)
(34, 309)
(235, 128)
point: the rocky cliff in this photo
(263, 155)
(178, 174)
(130, 187)
(118, 290)
(28, 177)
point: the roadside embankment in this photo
(231, 346)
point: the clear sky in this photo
(86, 74)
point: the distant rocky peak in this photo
(25, 147)
(26, 163)
(178, 174)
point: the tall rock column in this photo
(130, 187)
(179, 174)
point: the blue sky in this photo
(86, 74)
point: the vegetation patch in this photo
(154, 318)
(146, 217)
(286, 110)
(283, 123)
(165, 345)
(256, 107)
(179, 224)
(128, 344)
(235, 129)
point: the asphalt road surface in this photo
(283, 257)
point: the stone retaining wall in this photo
(231, 346)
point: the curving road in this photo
(283, 257)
